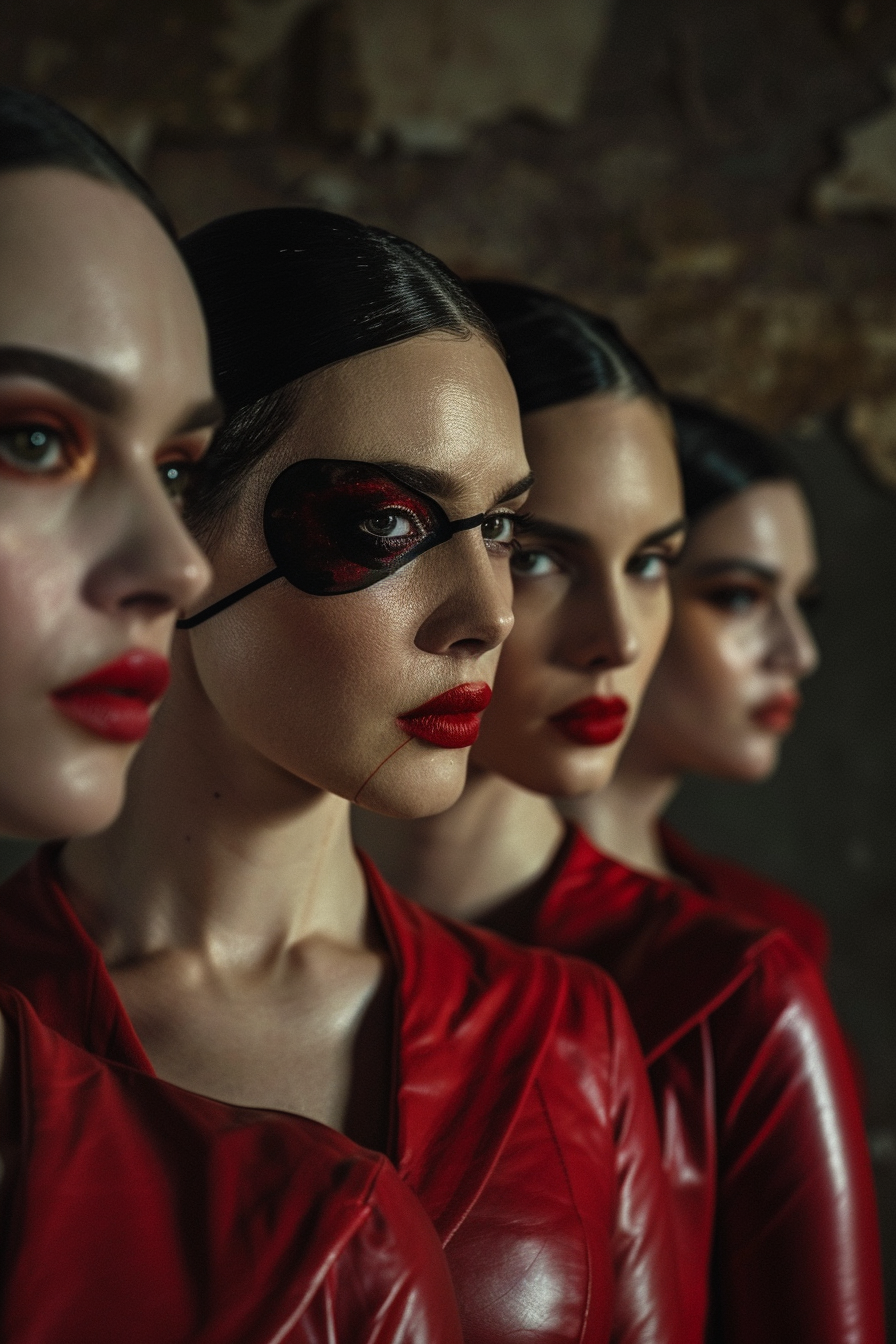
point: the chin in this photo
(752, 764)
(423, 784)
(45, 809)
(555, 768)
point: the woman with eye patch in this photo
(726, 689)
(762, 1136)
(358, 509)
(130, 1208)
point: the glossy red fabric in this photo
(762, 1133)
(747, 893)
(141, 1212)
(521, 1117)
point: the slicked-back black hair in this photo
(288, 291)
(35, 132)
(558, 351)
(720, 455)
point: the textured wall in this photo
(720, 175)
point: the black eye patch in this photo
(339, 526)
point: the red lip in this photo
(451, 719)
(778, 712)
(594, 722)
(114, 701)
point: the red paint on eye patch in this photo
(320, 535)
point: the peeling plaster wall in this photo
(718, 175)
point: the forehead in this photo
(435, 401)
(768, 523)
(603, 463)
(87, 272)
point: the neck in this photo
(494, 841)
(217, 850)
(622, 819)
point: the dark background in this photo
(719, 175)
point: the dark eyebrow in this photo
(663, 534)
(206, 415)
(88, 385)
(93, 388)
(711, 568)
(542, 527)
(517, 489)
(424, 479)
(439, 483)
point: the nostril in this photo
(157, 603)
(470, 646)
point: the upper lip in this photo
(470, 698)
(595, 707)
(139, 673)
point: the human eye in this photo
(176, 477)
(385, 533)
(651, 566)
(737, 599)
(498, 531)
(35, 448)
(530, 563)
(388, 525)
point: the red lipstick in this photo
(114, 701)
(449, 720)
(778, 712)
(594, 722)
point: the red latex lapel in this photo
(674, 956)
(467, 1009)
(46, 954)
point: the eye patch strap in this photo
(189, 622)
(467, 524)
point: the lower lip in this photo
(595, 726)
(114, 701)
(776, 716)
(452, 729)
(444, 730)
(118, 718)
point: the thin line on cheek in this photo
(380, 766)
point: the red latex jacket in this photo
(748, 894)
(137, 1211)
(761, 1129)
(521, 1114)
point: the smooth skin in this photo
(592, 608)
(102, 350)
(227, 899)
(103, 353)
(739, 637)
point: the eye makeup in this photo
(335, 527)
(39, 442)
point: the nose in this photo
(472, 612)
(150, 565)
(794, 649)
(599, 631)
